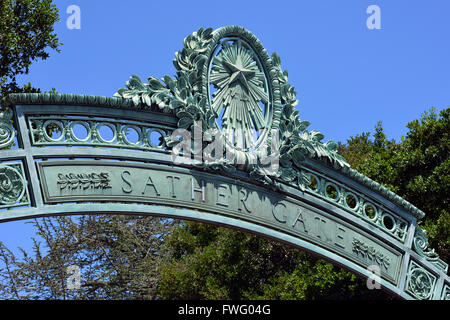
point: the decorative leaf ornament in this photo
(246, 79)
(173, 93)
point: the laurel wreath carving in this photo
(74, 181)
(370, 252)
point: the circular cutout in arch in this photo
(370, 211)
(156, 138)
(80, 131)
(351, 201)
(132, 134)
(314, 183)
(106, 132)
(53, 130)
(388, 222)
(332, 191)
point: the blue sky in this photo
(347, 77)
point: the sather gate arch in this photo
(221, 142)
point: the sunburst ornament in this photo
(241, 94)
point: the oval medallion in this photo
(239, 88)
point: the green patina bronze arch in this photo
(273, 177)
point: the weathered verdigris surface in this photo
(75, 154)
(102, 181)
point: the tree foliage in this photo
(118, 257)
(209, 262)
(417, 169)
(26, 33)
